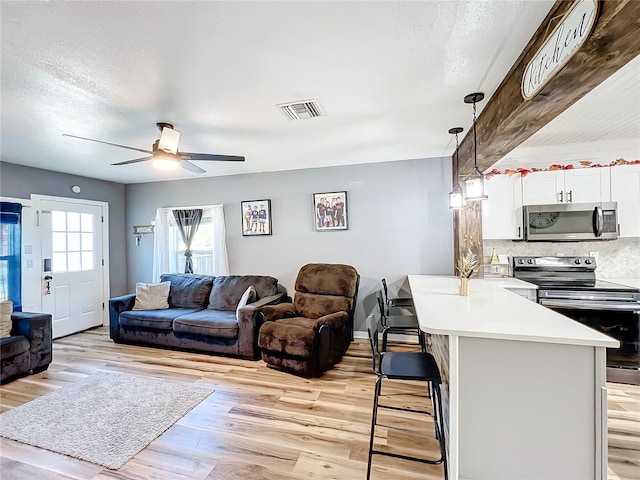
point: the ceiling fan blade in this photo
(169, 139)
(135, 160)
(209, 157)
(108, 143)
(190, 166)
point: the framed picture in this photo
(256, 217)
(330, 211)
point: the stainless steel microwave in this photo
(571, 222)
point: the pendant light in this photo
(474, 183)
(456, 196)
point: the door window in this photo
(72, 242)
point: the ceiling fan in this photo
(165, 154)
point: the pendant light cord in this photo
(475, 140)
(457, 159)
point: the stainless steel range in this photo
(569, 286)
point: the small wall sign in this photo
(565, 40)
(142, 229)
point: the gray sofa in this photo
(29, 348)
(201, 315)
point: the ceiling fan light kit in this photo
(169, 138)
(165, 161)
(165, 155)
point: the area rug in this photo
(105, 419)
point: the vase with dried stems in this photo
(467, 266)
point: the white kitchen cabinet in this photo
(587, 185)
(567, 186)
(625, 189)
(502, 211)
(541, 188)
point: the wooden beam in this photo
(508, 119)
(467, 226)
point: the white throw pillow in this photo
(152, 296)
(249, 296)
(6, 309)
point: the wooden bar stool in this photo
(420, 366)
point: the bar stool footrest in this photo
(406, 457)
(411, 410)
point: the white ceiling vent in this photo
(301, 110)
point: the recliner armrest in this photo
(336, 320)
(276, 312)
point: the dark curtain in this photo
(188, 222)
(11, 253)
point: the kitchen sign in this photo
(560, 46)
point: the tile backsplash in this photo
(616, 258)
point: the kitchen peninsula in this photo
(525, 387)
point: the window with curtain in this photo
(11, 253)
(208, 245)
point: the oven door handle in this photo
(582, 305)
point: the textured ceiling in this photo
(390, 77)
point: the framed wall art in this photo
(330, 211)
(256, 217)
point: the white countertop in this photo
(492, 311)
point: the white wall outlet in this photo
(29, 263)
(594, 255)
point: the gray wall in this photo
(20, 182)
(399, 222)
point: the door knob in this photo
(47, 284)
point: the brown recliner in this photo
(310, 335)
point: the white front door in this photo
(72, 267)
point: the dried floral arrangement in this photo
(467, 264)
(584, 164)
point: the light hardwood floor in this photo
(264, 424)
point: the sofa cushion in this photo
(153, 319)
(12, 346)
(188, 290)
(228, 290)
(152, 296)
(213, 323)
